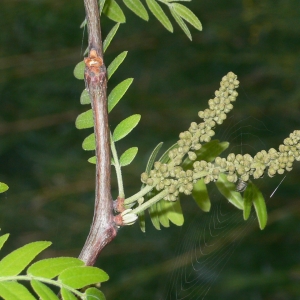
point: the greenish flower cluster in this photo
(173, 178)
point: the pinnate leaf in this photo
(181, 23)
(117, 93)
(114, 65)
(16, 261)
(3, 239)
(79, 277)
(94, 294)
(3, 187)
(159, 14)
(89, 143)
(52, 267)
(187, 15)
(138, 8)
(228, 190)
(110, 36)
(85, 97)
(113, 11)
(43, 291)
(85, 120)
(12, 290)
(125, 127)
(200, 195)
(79, 70)
(128, 156)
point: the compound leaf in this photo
(159, 14)
(52, 267)
(125, 127)
(128, 156)
(79, 277)
(117, 93)
(138, 8)
(16, 261)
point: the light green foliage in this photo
(138, 8)
(85, 120)
(113, 11)
(128, 156)
(79, 70)
(200, 195)
(114, 65)
(125, 127)
(110, 36)
(67, 273)
(3, 187)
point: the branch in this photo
(103, 229)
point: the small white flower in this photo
(128, 218)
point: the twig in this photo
(103, 229)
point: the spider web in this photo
(209, 241)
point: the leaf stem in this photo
(150, 202)
(138, 195)
(117, 167)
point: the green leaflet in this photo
(128, 156)
(181, 23)
(79, 70)
(159, 14)
(228, 190)
(152, 158)
(3, 239)
(165, 157)
(162, 213)
(43, 291)
(113, 11)
(89, 142)
(142, 221)
(138, 8)
(94, 294)
(174, 212)
(79, 277)
(117, 93)
(85, 97)
(16, 261)
(200, 195)
(114, 65)
(154, 216)
(186, 14)
(110, 35)
(3, 187)
(12, 290)
(52, 267)
(92, 160)
(67, 295)
(259, 205)
(125, 127)
(85, 120)
(247, 196)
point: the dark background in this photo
(51, 184)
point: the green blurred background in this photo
(51, 184)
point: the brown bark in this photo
(103, 228)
